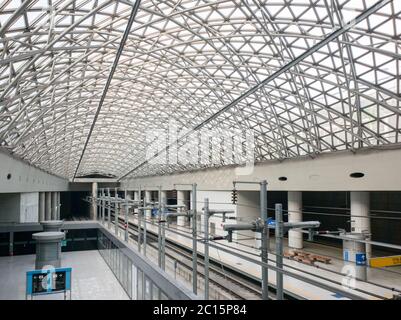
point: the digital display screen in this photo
(59, 280)
(40, 282)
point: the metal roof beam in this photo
(107, 85)
(334, 35)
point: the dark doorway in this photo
(73, 206)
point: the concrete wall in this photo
(18, 176)
(19, 207)
(10, 207)
(29, 207)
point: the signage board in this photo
(48, 281)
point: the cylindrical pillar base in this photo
(48, 249)
(354, 255)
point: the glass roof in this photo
(187, 62)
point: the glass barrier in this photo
(134, 280)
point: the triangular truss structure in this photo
(185, 62)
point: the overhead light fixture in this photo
(357, 175)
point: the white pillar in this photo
(163, 197)
(54, 205)
(360, 220)
(248, 209)
(295, 238)
(181, 202)
(136, 197)
(148, 198)
(129, 195)
(42, 206)
(58, 206)
(48, 209)
(94, 204)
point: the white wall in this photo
(18, 176)
(326, 172)
(29, 207)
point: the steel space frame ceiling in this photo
(82, 82)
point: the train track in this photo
(237, 284)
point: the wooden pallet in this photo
(305, 257)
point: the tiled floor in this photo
(91, 277)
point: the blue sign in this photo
(360, 259)
(271, 222)
(39, 282)
(346, 255)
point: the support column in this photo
(58, 216)
(164, 197)
(103, 205)
(48, 209)
(116, 211)
(42, 206)
(295, 237)
(130, 195)
(148, 198)
(360, 220)
(136, 197)
(93, 215)
(181, 201)
(108, 208)
(54, 205)
(248, 209)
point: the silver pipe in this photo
(221, 211)
(279, 251)
(159, 231)
(144, 233)
(139, 221)
(126, 216)
(194, 242)
(174, 206)
(302, 224)
(206, 253)
(175, 214)
(163, 234)
(103, 206)
(265, 240)
(116, 212)
(239, 226)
